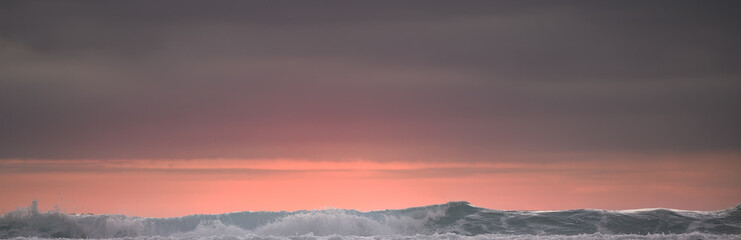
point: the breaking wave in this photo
(454, 220)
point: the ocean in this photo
(453, 220)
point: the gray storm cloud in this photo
(377, 80)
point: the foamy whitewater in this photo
(454, 220)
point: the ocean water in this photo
(453, 221)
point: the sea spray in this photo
(454, 220)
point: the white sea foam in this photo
(449, 236)
(352, 223)
(455, 220)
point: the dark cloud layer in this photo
(380, 80)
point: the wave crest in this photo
(456, 218)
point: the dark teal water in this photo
(454, 220)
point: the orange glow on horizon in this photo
(166, 188)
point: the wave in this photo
(453, 220)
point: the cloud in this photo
(329, 81)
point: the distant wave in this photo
(453, 220)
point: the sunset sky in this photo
(170, 108)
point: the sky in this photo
(170, 108)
